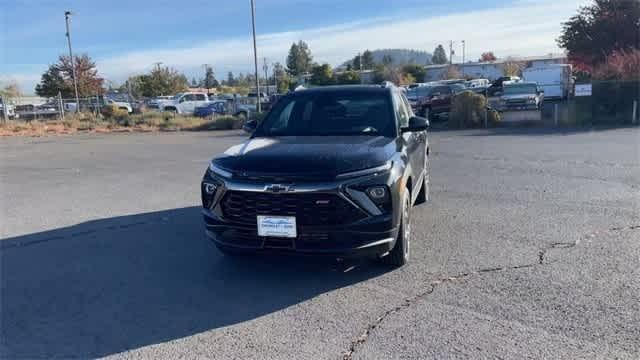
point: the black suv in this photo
(332, 170)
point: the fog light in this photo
(210, 189)
(377, 192)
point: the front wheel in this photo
(399, 255)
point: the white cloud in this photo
(526, 28)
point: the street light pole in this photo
(463, 53)
(255, 53)
(265, 67)
(73, 65)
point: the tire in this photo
(399, 255)
(423, 195)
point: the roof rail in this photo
(387, 84)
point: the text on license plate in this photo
(277, 226)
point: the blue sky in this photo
(127, 37)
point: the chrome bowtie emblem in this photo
(278, 188)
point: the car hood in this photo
(313, 156)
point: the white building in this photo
(490, 70)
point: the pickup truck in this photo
(185, 103)
(520, 96)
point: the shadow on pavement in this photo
(110, 285)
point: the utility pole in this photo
(451, 52)
(73, 64)
(255, 52)
(265, 67)
(463, 53)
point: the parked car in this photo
(438, 101)
(555, 80)
(185, 103)
(521, 96)
(120, 105)
(332, 170)
(218, 107)
(477, 83)
(7, 110)
(157, 101)
(496, 86)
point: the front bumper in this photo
(368, 238)
(332, 218)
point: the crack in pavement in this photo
(363, 337)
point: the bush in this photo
(115, 113)
(469, 109)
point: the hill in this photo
(400, 56)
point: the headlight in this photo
(219, 171)
(378, 169)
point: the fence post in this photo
(61, 105)
(555, 114)
(634, 113)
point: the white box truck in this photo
(555, 80)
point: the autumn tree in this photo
(452, 72)
(59, 78)
(418, 72)
(512, 68)
(487, 57)
(598, 30)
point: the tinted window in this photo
(401, 110)
(330, 113)
(201, 97)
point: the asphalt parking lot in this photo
(530, 248)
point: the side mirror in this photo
(416, 124)
(250, 126)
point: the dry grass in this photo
(151, 121)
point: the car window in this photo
(407, 106)
(401, 111)
(330, 113)
(201, 97)
(443, 90)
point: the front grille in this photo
(315, 209)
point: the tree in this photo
(407, 79)
(11, 90)
(162, 81)
(356, 62)
(231, 81)
(194, 82)
(209, 78)
(598, 30)
(487, 57)
(416, 71)
(59, 78)
(512, 68)
(620, 65)
(439, 55)
(322, 74)
(89, 83)
(283, 82)
(367, 60)
(348, 77)
(299, 60)
(387, 60)
(52, 83)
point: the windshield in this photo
(331, 113)
(518, 89)
(419, 91)
(177, 96)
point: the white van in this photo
(555, 80)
